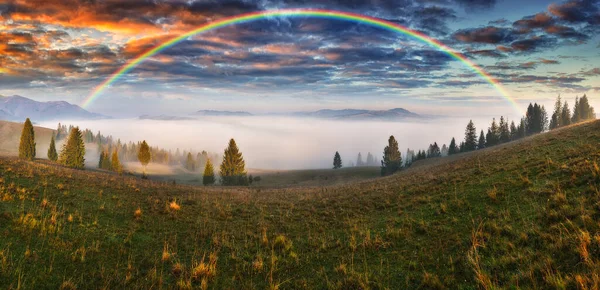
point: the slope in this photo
(524, 215)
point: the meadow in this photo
(518, 215)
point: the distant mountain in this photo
(357, 114)
(165, 118)
(17, 108)
(221, 113)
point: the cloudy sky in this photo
(62, 49)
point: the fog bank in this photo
(283, 142)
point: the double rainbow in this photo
(318, 13)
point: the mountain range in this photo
(17, 108)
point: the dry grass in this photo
(520, 215)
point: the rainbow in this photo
(318, 13)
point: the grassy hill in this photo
(10, 136)
(519, 215)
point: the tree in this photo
(101, 159)
(337, 161)
(392, 159)
(555, 120)
(116, 163)
(522, 128)
(144, 156)
(493, 135)
(52, 154)
(576, 112)
(370, 160)
(433, 151)
(565, 116)
(359, 161)
(504, 131)
(208, 178)
(536, 119)
(453, 149)
(27, 144)
(73, 152)
(232, 169)
(190, 163)
(586, 112)
(106, 162)
(470, 137)
(481, 143)
(250, 179)
(444, 150)
(513, 131)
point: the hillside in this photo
(10, 136)
(521, 215)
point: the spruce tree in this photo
(101, 158)
(144, 156)
(208, 178)
(52, 154)
(233, 171)
(27, 144)
(470, 137)
(392, 159)
(513, 131)
(493, 135)
(481, 143)
(453, 149)
(504, 131)
(576, 112)
(565, 115)
(190, 163)
(359, 161)
(106, 162)
(337, 161)
(555, 120)
(73, 151)
(116, 163)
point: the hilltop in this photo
(522, 214)
(17, 108)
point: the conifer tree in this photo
(504, 131)
(144, 156)
(359, 161)
(73, 151)
(116, 163)
(52, 154)
(232, 169)
(470, 137)
(392, 159)
(513, 131)
(208, 178)
(453, 149)
(337, 161)
(27, 144)
(370, 161)
(101, 159)
(190, 163)
(493, 136)
(555, 120)
(565, 116)
(481, 143)
(106, 161)
(444, 150)
(576, 112)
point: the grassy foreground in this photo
(519, 215)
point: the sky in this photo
(63, 49)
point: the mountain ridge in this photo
(17, 108)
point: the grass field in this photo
(519, 215)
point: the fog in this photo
(283, 142)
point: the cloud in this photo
(487, 35)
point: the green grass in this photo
(520, 215)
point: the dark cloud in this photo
(487, 35)
(577, 11)
(486, 53)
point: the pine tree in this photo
(576, 112)
(513, 131)
(208, 178)
(392, 159)
(444, 150)
(565, 115)
(453, 149)
(52, 154)
(586, 112)
(555, 121)
(359, 161)
(144, 156)
(232, 169)
(73, 151)
(116, 163)
(481, 143)
(370, 161)
(101, 159)
(504, 131)
(493, 135)
(27, 144)
(190, 163)
(470, 137)
(106, 162)
(522, 128)
(337, 161)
